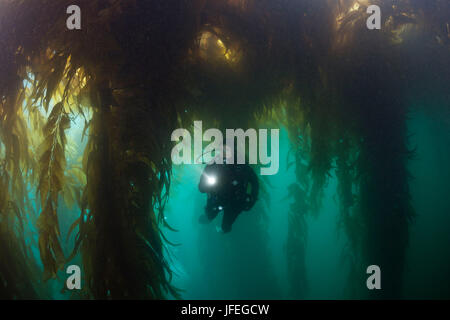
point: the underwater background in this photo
(250, 262)
(86, 170)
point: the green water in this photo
(250, 262)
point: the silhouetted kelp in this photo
(139, 69)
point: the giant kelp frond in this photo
(52, 167)
(18, 276)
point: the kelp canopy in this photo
(137, 70)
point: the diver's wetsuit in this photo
(235, 190)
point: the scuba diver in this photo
(231, 188)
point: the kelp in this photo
(52, 168)
(139, 69)
(18, 275)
